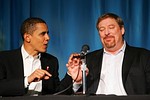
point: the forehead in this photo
(41, 26)
(107, 21)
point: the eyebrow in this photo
(44, 32)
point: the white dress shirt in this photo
(111, 73)
(30, 64)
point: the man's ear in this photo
(27, 37)
(122, 30)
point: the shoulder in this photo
(137, 53)
(10, 52)
(137, 50)
(9, 56)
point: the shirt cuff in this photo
(76, 86)
(26, 84)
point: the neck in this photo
(30, 50)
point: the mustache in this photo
(108, 37)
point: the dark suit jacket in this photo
(12, 73)
(135, 71)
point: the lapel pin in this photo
(47, 68)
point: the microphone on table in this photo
(85, 49)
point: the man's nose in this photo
(47, 37)
(107, 32)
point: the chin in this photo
(42, 51)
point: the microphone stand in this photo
(84, 51)
(83, 68)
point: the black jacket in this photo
(12, 73)
(135, 71)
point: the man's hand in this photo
(38, 75)
(74, 67)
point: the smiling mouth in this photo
(107, 38)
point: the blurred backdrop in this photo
(72, 23)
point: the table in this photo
(78, 97)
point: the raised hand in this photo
(74, 67)
(38, 75)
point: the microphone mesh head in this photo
(85, 48)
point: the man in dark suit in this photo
(117, 68)
(29, 69)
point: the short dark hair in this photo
(110, 15)
(29, 25)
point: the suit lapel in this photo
(44, 62)
(96, 63)
(98, 68)
(18, 62)
(127, 62)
